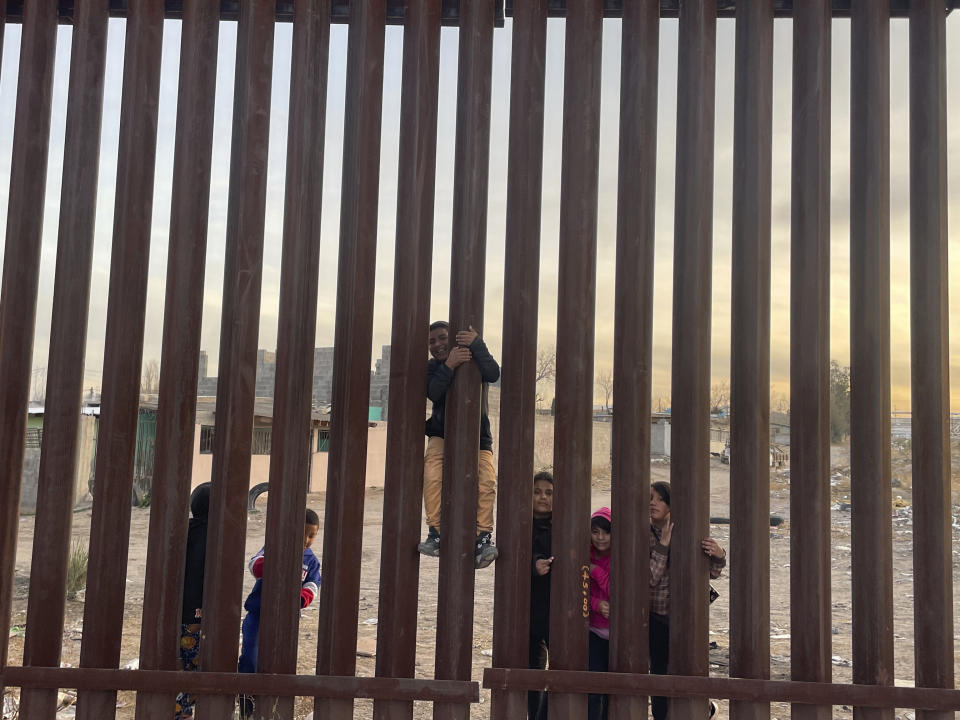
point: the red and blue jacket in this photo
(310, 580)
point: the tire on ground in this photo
(255, 492)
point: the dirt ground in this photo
(483, 611)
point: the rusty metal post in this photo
(58, 463)
(454, 646)
(179, 366)
(572, 455)
(123, 352)
(750, 353)
(929, 334)
(239, 327)
(633, 349)
(3, 24)
(690, 439)
(343, 526)
(21, 272)
(403, 487)
(293, 396)
(511, 609)
(810, 650)
(871, 533)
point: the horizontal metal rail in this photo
(230, 10)
(725, 8)
(213, 683)
(751, 690)
(450, 13)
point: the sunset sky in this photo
(899, 171)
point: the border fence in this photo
(395, 687)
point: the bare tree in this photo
(149, 384)
(780, 403)
(605, 383)
(546, 364)
(546, 372)
(839, 402)
(719, 397)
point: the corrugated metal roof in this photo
(262, 410)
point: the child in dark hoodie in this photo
(193, 592)
(542, 559)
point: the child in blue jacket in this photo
(308, 591)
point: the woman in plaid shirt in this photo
(661, 530)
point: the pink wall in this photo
(260, 464)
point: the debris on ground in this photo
(11, 706)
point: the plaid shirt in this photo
(660, 573)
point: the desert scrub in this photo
(77, 568)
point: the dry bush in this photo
(9, 705)
(77, 569)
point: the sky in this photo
(493, 323)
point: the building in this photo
(206, 385)
(380, 383)
(86, 452)
(266, 373)
(322, 378)
(322, 375)
(203, 443)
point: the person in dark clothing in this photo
(541, 562)
(440, 369)
(661, 533)
(193, 592)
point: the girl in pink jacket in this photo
(599, 606)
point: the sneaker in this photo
(431, 546)
(713, 708)
(484, 552)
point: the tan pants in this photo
(433, 486)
